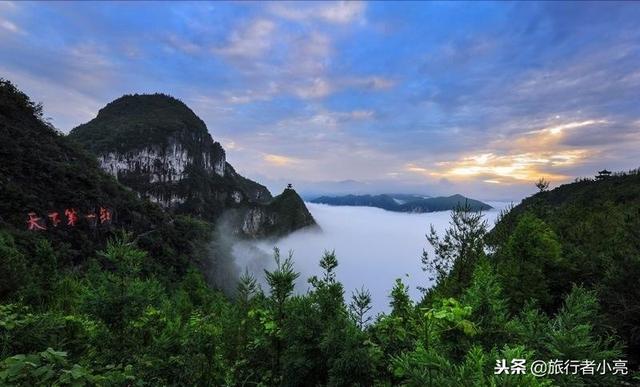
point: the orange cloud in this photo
(279, 160)
(526, 157)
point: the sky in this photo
(434, 98)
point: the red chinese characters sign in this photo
(71, 217)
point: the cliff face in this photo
(284, 214)
(157, 146)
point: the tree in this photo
(13, 268)
(401, 305)
(247, 289)
(396, 332)
(360, 305)
(530, 264)
(428, 363)
(575, 333)
(281, 280)
(281, 284)
(458, 251)
(542, 184)
(488, 305)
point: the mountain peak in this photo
(151, 107)
(157, 146)
(138, 120)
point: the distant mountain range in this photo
(403, 202)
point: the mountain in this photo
(597, 223)
(403, 202)
(43, 173)
(157, 146)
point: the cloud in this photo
(430, 97)
(510, 167)
(325, 119)
(67, 107)
(341, 12)
(520, 158)
(316, 88)
(179, 43)
(9, 8)
(252, 95)
(250, 42)
(9, 26)
(364, 240)
(279, 160)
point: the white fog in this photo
(373, 246)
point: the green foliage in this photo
(13, 269)
(137, 120)
(397, 332)
(121, 253)
(291, 212)
(530, 263)
(457, 252)
(596, 224)
(488, 306)
(359, 307)
(573, 334)
(52, 368)
(448, 323)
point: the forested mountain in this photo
(403, 202)
(122, 301)
(156, 145)
(596, 223)
(45, 174)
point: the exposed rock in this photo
(286, 213)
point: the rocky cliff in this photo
(285, 212)
(157, 146)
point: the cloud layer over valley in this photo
(373, 246)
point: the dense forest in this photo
(128, 304)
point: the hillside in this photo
(597, 224)
(43, 173)
(160, 148)
(403, 202)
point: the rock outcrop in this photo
(285, 213)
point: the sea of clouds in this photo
(373, 246)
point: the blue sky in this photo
(436, 98)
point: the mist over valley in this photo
(373, 247)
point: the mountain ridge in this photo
(403, 202)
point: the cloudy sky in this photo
(436, 98)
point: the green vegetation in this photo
(132, 121)
(128, 305)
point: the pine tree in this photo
(281, 284)
(359, 307)
(456, 253)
